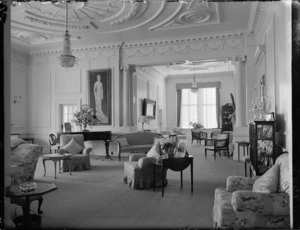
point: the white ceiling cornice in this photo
(174, 40)
(83, 48)
(150, 71)
(199, 76)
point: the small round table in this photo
(242, 144)
(57, 157)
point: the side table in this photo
(174, 164)
(242, 144)
(14, 191)
(57, 157)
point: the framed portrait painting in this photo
(99, 95)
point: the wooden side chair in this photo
(53, 144)
(196, 135)
(217, 145)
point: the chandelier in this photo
(67, 60)
(194, 88)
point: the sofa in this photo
(139, 142)
(24, 157)
(259, 202)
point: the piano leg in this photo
(107, 156)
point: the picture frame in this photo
(181, 148)
(99, 95)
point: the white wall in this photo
(227, 86)
(150, 87)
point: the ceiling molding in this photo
(86, 48)
(181, 46)
(176, 40)
(199, 76)
(148, 73)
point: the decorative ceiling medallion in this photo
(78, 12)
(32, 38)
(132, 13)
(194, 17)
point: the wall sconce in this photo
(17, 99)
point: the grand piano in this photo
(93, 136)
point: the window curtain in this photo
(218, 106)
(179, 93)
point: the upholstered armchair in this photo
(138, 171)
(74, 144)
(24, 158)
(259, 202)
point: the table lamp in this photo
(143, 119)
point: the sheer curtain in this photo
(207, 109)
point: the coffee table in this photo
(14, 191)
(57, 158)
(174, 164)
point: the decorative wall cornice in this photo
(263, 20)
(89, 48)
(254, 17)
(184, 45)
(149, 73)
(199, 76)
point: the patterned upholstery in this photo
(238, 207)
(80, 161)
(138, 172)
(28, 154)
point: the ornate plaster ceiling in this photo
(36, 24)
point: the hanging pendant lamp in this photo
(67, 60)
(194, 88)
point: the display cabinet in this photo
(227, 110)
(262, 146)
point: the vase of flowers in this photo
(166, 146)
(84, 117)
(196, 125)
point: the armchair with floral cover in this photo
(259, 202)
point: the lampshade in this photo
(143, 119)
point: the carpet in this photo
(98, 198)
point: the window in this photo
(200, 106)
(68, 112)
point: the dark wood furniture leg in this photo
(153, 177)
(192, 176)
(181, 179)
(163, 176)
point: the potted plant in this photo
(85, 116)
(196, 125)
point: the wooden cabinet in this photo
(262, 146)
(227, 110)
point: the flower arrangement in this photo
(196, 125)
(85, 116)
(165, 147)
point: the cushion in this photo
(268, 182)
(14, 142)
(73, 147)
(284, 182)
(123, 141)
(154, 151)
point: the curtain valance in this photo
(215, 84)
